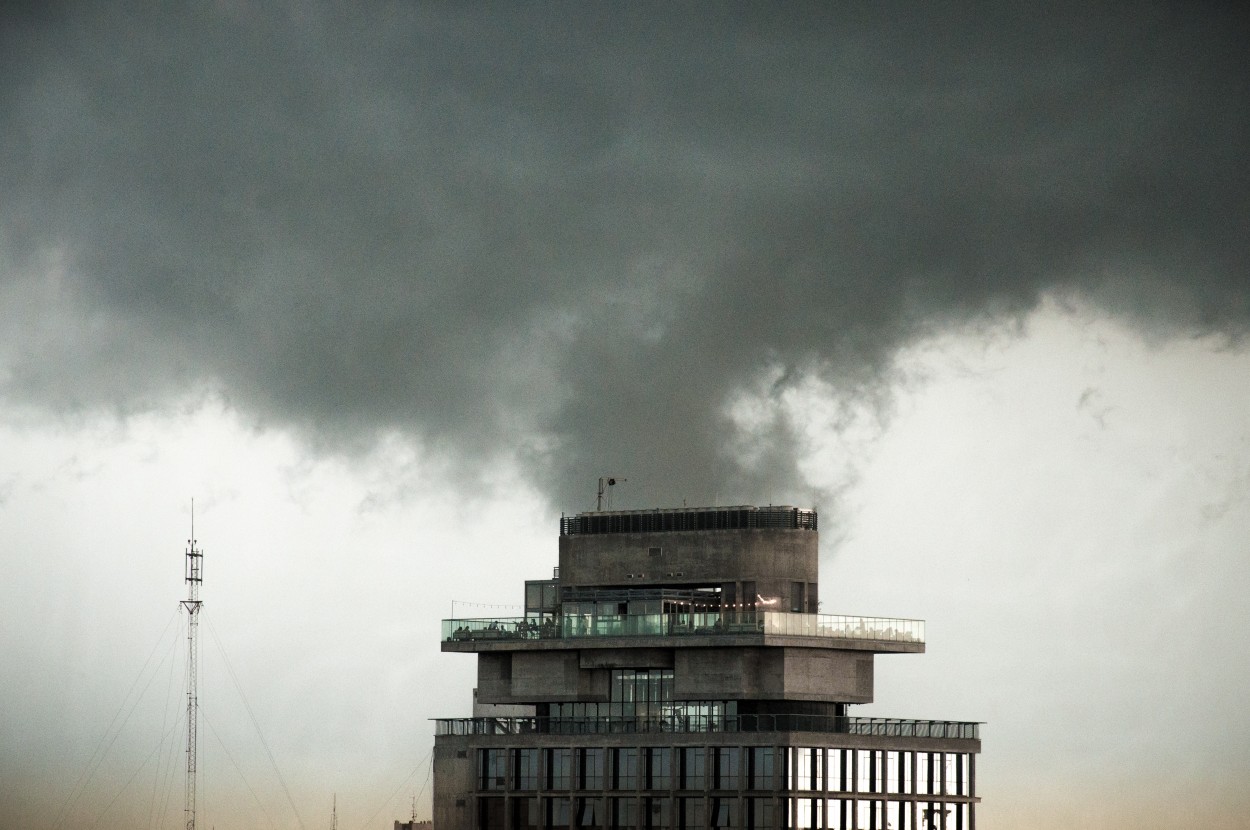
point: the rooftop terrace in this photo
(777, 623)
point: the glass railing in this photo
(827, 626)
(842, 627)
(880, 727)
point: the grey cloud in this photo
(574, 231)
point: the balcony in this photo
(875, 727)
(766, 623)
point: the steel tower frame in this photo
(194, 576)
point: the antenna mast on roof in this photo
(194, 576)
(604, 483)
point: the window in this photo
(869, 814)
(797, 605)
(760, 768)
(924, 773)
(659, 768)
(693, 768)
(528, 814)
(658, 814)
(724, 812)
(839, 770)
(494, 769)
(838, 815)
(727, 762)
(759, 814)
(624, 813)
(692, 814)
(590, 768)
(525, 763)
(559, 769)
(932, 816)
(807, 813)
(869, 778)
(558, 812)
(625, 768)
(806, 773)
(590, 813)
(490, 814)
(640, 693)
(950, 781)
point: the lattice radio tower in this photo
(195, 575)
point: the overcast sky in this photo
(386, 290)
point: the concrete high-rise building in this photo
(676, 673)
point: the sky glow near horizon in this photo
(385, 291)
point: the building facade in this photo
(676, 673)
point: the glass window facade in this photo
(766, 787)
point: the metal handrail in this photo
(882, 727)
(829, 626)
(691, 518)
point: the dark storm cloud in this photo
(576, 230)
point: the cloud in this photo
(578, 235)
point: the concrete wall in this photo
(770, 557)
(538, 677)
(738, 673)
(820, 674)
(455, 779)
(773, 674)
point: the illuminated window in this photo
(805, 776)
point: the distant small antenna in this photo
(414, 808)
(604, 483)
(334, 813)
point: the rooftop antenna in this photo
(194, 576)
(334, 813)
(414, 808)
(604, 483)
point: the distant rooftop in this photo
(688, 518)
